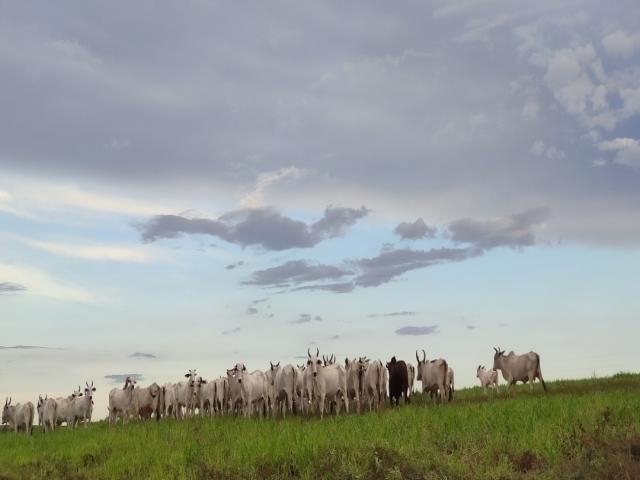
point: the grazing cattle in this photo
(49, 415)
(253, 388)
(411, 374)
(398, 381)
(325, 384)
(488, 378)
(434, 376)
(284, 387)
(221, 395)
(147, 401)
(354, 381)
(372, 383)
(518, 368)
(121, 401)
(18, 415)
(83, 406)
(169, 400)
(185, 395)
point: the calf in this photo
(398, 381)
(488, 378)
(18, 415)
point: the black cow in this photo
(398, 380)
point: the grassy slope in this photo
(581, 429)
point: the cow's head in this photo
(363, 364)
(314, 363)
(129, 384)
(329, 360)
(274, 370)
(154, 390)
(479, 370)
(191, 375)
(89, 389)
(197, 385)
(239, 370)
(301, 367)
(6, 414)
(391, 363)
(77, 393)
(497, 357)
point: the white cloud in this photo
(41, 283)
(621, 44)
(93, 252)
(540, 149)
(627, 150)
(267, 179)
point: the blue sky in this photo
(209, 184)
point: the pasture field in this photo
(580, 429)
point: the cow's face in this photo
(479, 371)
(89, 389)
(497, 358)
(239, 370)
(363, 364)
(6, 411)
(314, 364)
(77, 393)
(274, 370)
(191, 375)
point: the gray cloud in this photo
(9, 287)
(251, 311)
(263, 227)
(233, 266)
(414, 230)
(471, 327)
(259, 300)
(142, 355)
(515, 231)
(26, 347)
(294, 272)
(232, 331)
(121, 377)
(306, 318)
(344, 287)
(392, 314)
(424, 330)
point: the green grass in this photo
(586, 429)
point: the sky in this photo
(192, 184)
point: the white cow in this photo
(64, 409)
(169, 400)
(253, 388)
(284, 387)
(185, 394)
(488, 378)
(221, 395)
(373, 384)
(18, 415)
(234, 400)
(40, 408)
(121, 401)
(411, 374)
(82, 406)
(49, 415)
(299, 395)
(328, 384)
(518, 368)
(147, 401)
(354, 381)
(206, 394)
(434, 376)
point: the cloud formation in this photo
(306, 318)
(121, 377)
(263, 227)
(402, 313)
(233, 266)
(423, 330)
(9, 287)
(232, 331)
(142, 355)
(414, 230)
(296, 272)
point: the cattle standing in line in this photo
(49, 414)
(398, 381)
(121, 401)
(185, 395)
(147, 401)
(18, 415)
(253, 389)
(411, 373)
(354, 382)
(372, 385)
(82, 406)
(434, 376)
(207, 397)
(235, 402)
(488, 378)
(518, 368)
(325, 384)
(284, 388)
(221, 395)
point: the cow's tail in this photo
(452, 388)
(539, 373)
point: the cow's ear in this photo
(346, 362)
(187, 375)
(244, 369)
(204, 381)
(93, 389)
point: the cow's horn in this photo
(417, 357)
(424, 355)
(308, 353)
(317, 351)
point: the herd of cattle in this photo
(320, 386)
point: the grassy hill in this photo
(584, 429)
